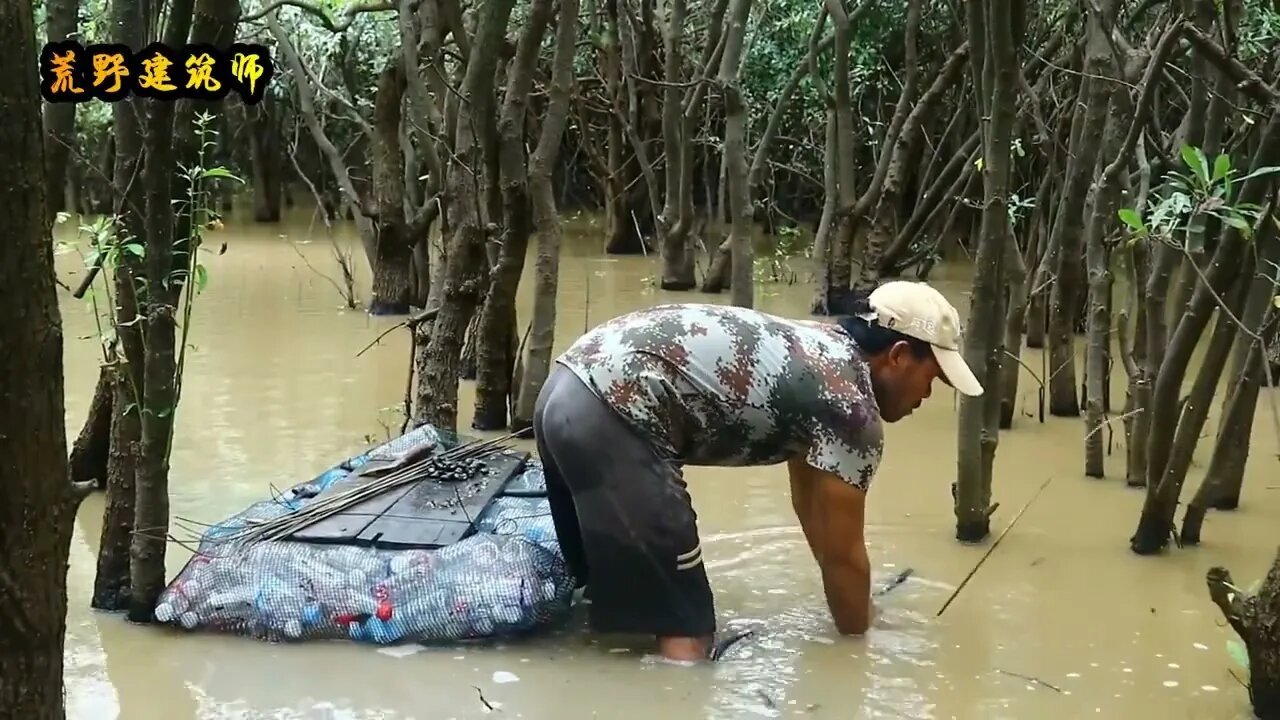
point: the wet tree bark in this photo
(1015, 315)
(61, 20)
(735, 156)
(1123, 132)
(38, 513)
(88, 460)
(680, 112)
(545, 219)
(266, 159)
(495, 351)
(855, 233)
(1221, 484)
(1256, 619)
(466, 265)
(839, 270)
(1155, 526)
(1068, 227)
(624, 216)
(882, 228)
(1135, 349)
(393, 238)
(994, 37)
(112, 582)
(151, 513)
(1020, 292)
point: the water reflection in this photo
(275, 393)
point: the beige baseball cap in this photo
(918, 310)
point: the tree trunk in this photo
(624, 236)
(470, 343)
(266, 159)
(151, 528)
(61, 20)
(38, 512)
(1220, 487)
(393, 277)
(994, 39)
(111, 584)
(677, 258)
(1256, 619)
(1014, 318)
(88, 461)
(440, 341)
(545, 219)
(742, 285)
(393, 241)
(882, 228)
(495, 351)
(1118, 145)
(1069, 227)
(822, 239)
(1156, 522)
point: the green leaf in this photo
(1196, 162)
(91, 259)
(220, 172)
(202, 278)
(1130, 217)
(1236, 650)
(1221, 166)
(135, 248)
(1238, 223)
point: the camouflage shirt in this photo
(728, 386)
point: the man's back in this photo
(723, 385)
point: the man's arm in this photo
(831, 513)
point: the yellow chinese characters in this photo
(250, 71)
(109, 66)
(200, 74)
(60, 73)
(109, 72)
(155, 72)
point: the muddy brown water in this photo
(1061, 622)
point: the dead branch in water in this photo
(1030, 678)
(987, 554)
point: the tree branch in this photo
(1247, 81)
(348, 14)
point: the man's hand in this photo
(831, 513)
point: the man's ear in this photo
(899, 351)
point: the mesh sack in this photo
(508, 578)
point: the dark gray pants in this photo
(622, 514)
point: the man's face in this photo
(902, 381)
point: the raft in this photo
(459, 554)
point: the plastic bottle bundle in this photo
(529, 517)
(507, 578)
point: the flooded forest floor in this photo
(1063, 621)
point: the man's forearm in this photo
(847, 583)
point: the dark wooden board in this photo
(425, 514)
(346, 526)
(430, 514)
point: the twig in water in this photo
(487, 706)
(411, 323)
(987, 554)
(1030, 678)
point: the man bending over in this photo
(637, 398)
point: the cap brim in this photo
(956, 372)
